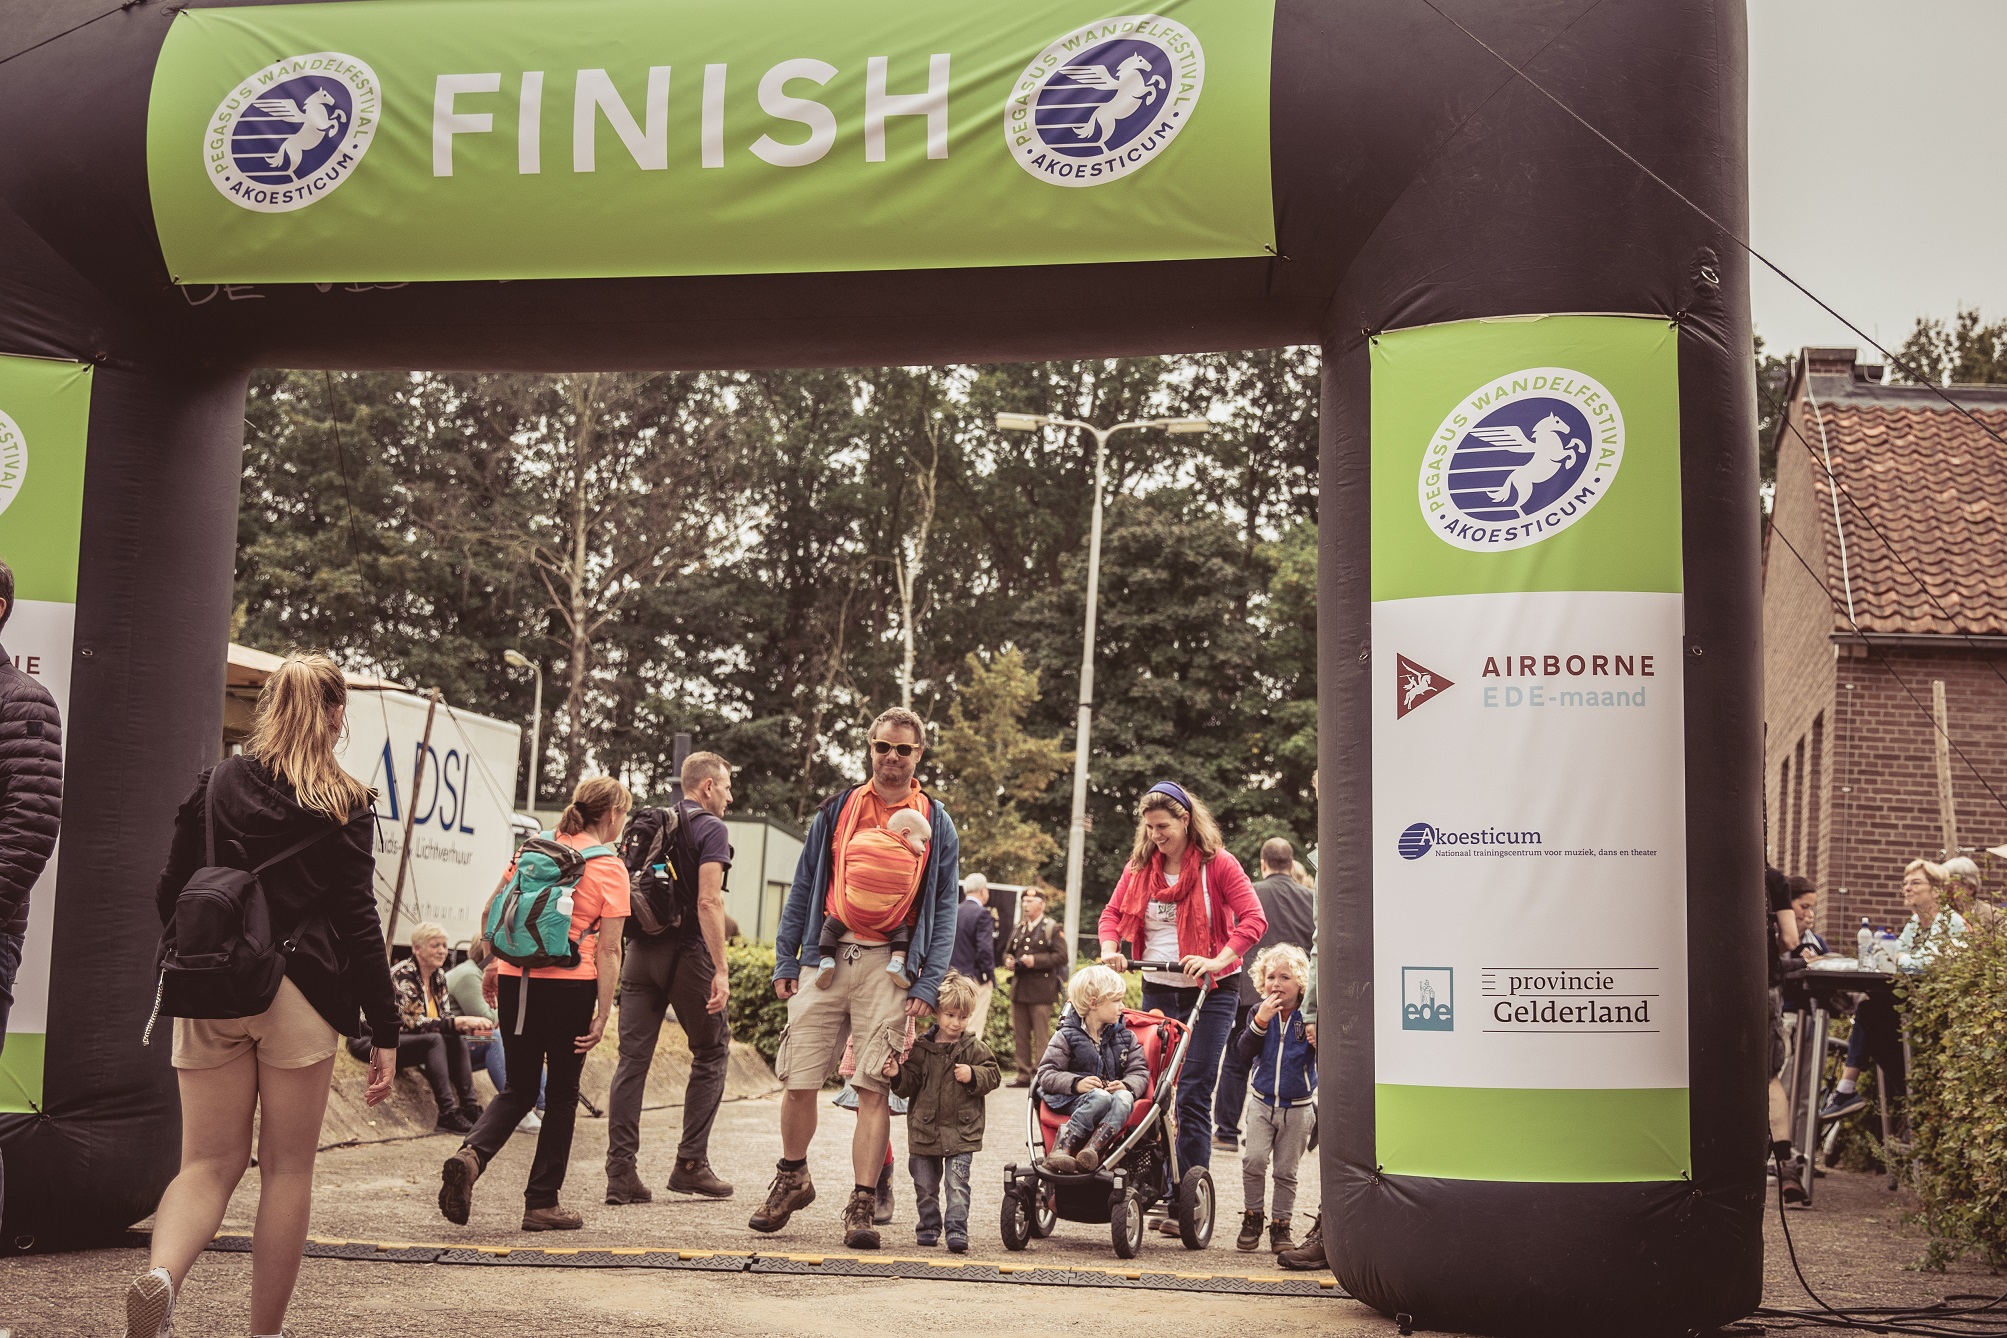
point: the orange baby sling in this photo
(876, 876)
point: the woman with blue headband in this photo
(1183, 897)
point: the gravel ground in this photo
(1854, 1246)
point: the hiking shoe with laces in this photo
(149, 1305)
(696, 1177)
(858, 1231)
(623, 1186)
(453, 1122)
(1842, 1104)
(1278, 1235)
(790, 1192)
(456, 1185)
(1310, 1254)
(552, 1218)
(1250, 1230)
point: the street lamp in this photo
(1076, 839)
(522, 661)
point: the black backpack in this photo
(217, 955)
(661, 860)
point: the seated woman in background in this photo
(433, 1031)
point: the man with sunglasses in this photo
(863, 1001)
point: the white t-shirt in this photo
(1160, 941)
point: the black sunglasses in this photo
(880, 747)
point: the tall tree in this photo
(1968, 352)
(991, 767)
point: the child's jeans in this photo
(1281, 1132)
(1099, 1109)
(928, 1173)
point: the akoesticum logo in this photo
(1520, 459)
(13, 460)
(1105, 99)
(1419, 838)
(1428, 998)
(292, 132)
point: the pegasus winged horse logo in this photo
(1550, 450)
(1133, 86)
(1414, 686)
(317, 121)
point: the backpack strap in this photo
(295, 849)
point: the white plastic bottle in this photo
(1865, 941)
(564, 904)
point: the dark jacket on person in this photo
(31, 789)
(975, 941)
(944, 1117)
(1284, 1065)
(1292, 918)
(1072, 1054)
(322, 899)
(1046, 943)
(411, 993)
(934, 908)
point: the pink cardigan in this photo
(1236, 911)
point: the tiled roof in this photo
(1933, 482)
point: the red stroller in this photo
(1141, 1176)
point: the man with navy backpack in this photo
(680, 894)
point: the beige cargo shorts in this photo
(862, 1001)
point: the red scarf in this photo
(1200, 934)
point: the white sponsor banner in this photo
(1529, 843)
(39, 638)
(460, 836)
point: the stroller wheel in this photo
(1046, 1216)
(1194, 1209)
(1125, 1223)
(1017, 1226)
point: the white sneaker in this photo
(530, 1124)
(149, 1305)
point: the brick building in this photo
(1853, 641)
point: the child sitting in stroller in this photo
(1093, 1071)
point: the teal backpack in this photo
(529, 921)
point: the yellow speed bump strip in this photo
(1024, 1271)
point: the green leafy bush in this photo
(758, 1018)
(1957, 1017)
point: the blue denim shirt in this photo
(939, 897)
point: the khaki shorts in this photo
(288, 1035)
(863, 1001)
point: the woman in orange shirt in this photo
(562, 1020)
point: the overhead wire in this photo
(73, 28)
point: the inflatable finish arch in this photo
(1541, 963)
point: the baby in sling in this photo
(875, 888)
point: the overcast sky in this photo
(1877, 175)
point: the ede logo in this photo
(1428, 998)
(1104, 100)
(13, 460)
(1521, 459)
(292, 132)
(1415, 684)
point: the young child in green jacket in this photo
(944, 1079)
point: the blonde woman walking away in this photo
(286, 797)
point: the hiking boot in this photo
(881, 1204)
(1278, 1235)
(1842, 1104)
(858, 1231)
(957, 1244)
(453, 1122)
(456, 1185)
(149, 1305)
(1310, 1254)
(1061, 1160)
(696, 1177)
(1090, 1157)
(1250, 1230)
(624, 1186)
(552, 1218)
(790, 1192)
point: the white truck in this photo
(462, 808)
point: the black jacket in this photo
(1072, 1054)
(1045, 944)
(1291, 909)
(31, 788)
(323, 898)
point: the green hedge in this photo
(1957, 1017)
